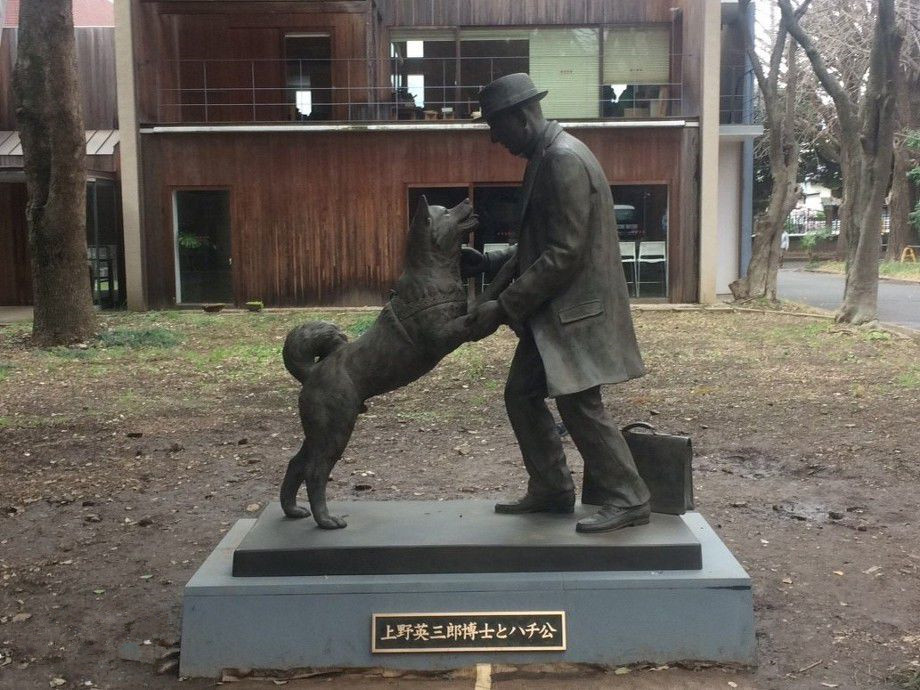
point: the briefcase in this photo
(664, 462)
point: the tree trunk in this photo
(783, 151)
(860, 299)
(51, 128)
(899, 235)
(849, 172)
(760, 280)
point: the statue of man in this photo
(570, 308)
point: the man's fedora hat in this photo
(507, 92)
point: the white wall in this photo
(729, 214)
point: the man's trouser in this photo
(608, 462)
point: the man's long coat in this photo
(569, 286)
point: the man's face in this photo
(507, 128)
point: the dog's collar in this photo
(420, 306)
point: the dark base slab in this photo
(428, 537)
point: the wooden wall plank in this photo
(95, 70)
(15, 264)
(521, 12)
(230, 47)
(684, 254)
(321, 217)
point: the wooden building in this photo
(273, 149)
(95, 36)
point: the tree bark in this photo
(877, 115)
(899, 235)
(50, 121)
(867, 136)
(907, 85)
(783, 152)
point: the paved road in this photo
(897, 302)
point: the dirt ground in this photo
(122, 465)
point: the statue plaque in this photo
(484, 631)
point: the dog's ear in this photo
(422, 217)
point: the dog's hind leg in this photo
(321, 460)
(292, 479)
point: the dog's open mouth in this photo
(469, 223)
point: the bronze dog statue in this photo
(424, 320)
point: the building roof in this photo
(85, 13)
(99, 142)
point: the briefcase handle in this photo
(638, 425)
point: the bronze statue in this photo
(570, 308)
(424, 320)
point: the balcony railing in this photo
(324, 91)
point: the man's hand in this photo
(472, 262)
(485, 319)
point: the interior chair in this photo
(652, 253)
(628, 259)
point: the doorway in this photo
(308, 75)
(201, 219)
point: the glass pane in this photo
(637, 72)
(637, 55)
(565, 62)
(482, 61)
(642, 223)
(308, 76)
(203, 246)
(423, 77)
(436, 196)
(497, 208)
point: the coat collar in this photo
(549, 135)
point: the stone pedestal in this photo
(659, 593)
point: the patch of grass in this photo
(828, 266)
(73, 353)
(5, 370)
(878, 335)
(910, 378)
(890, 269)
(908, 679)
(807, 333)
(470, 359)
(240, 360)
(361, 325)
(896, 269)
(148, 337)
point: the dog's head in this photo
(436, 233)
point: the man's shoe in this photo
(610, 518)
(556, 503)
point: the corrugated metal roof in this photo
(99, 142)
(85, 13)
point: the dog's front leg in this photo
(456, 332)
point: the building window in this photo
(423, 69)
(308, 75)
(447, 197)
(642, 223)
(636, 71)
(632, 80)
(566, 63)
(486, 55)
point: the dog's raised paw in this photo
(297, 512)
(331, 522)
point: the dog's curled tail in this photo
(307, 344)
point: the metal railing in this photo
(350, 90)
